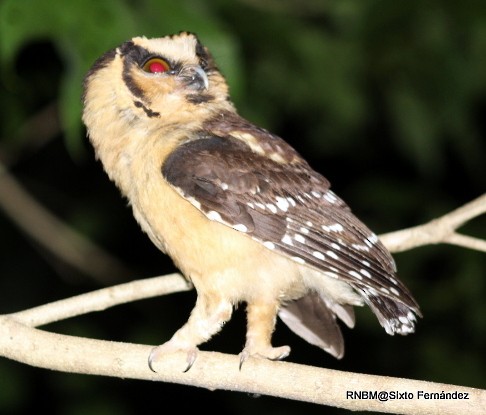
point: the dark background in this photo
(386, 99)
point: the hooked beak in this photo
(194, 77)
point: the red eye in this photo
(155, 65)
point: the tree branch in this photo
(211, 370)
(101, 299)
(21, 342)
(441, 230)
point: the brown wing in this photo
(288, 207)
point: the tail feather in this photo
(394, 316)
(314, 319)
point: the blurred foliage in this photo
(386, 99)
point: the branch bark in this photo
(441, 230)
(20, 341)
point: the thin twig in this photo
(102, 299)
(54, 235)
(441, 230)
(35, 132)
(466, 242)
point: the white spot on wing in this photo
(299, 238)
(271, 208)
(298, 259)
(240, 227)
(305, 231)
(332, 275)
(365, 273)
(394, 291)
(337, 227)
(332, 254)
(356, 275)
(282, 203)
(373, 238)
(269, 245)
(195, 203)
(309, 224)
(315, 194)
(330, 197)
(360, 247)
(224, 186)
(287, 240)
(319, 255)
(292, 201)
(335, 246)
(213, 215)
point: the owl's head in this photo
(164, 79)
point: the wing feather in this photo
(287, 203)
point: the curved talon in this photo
(152, 357)
(271, 353)
(243, 356)
(150, 366)
(191, 358)
(167, 348)
(284, 352)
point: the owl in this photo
(241, 213)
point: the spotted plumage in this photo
(289, 208)
(242, 214)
